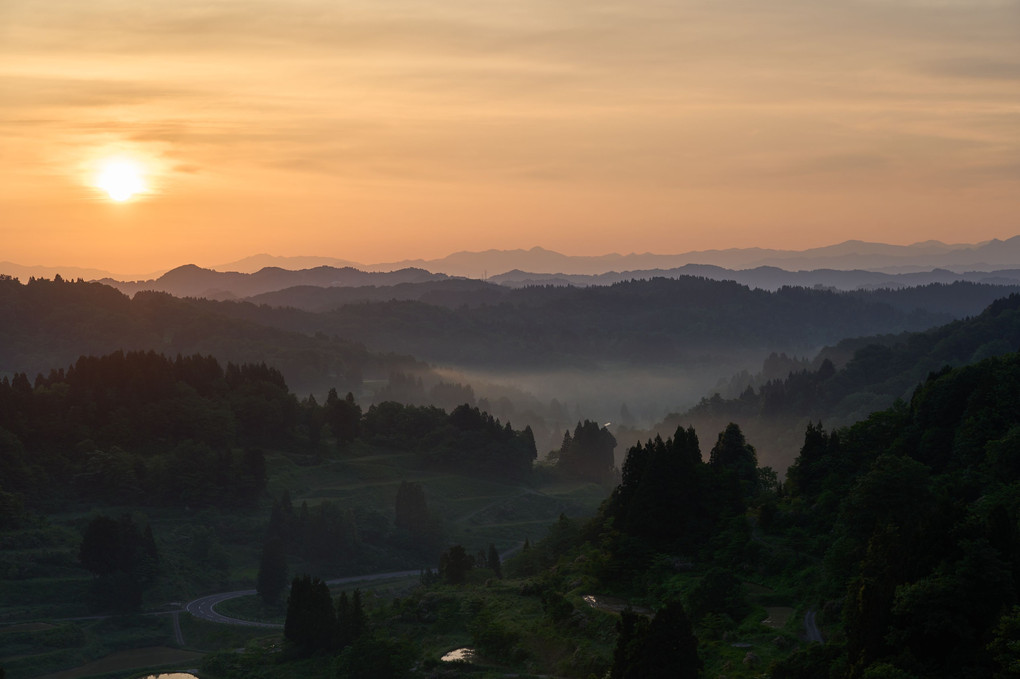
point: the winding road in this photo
(811, 627)
(205, 607)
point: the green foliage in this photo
(1005, 645)
(588, 454)
(352, 623)
(718, 592)
(324, 534)
(872, 373)
(272, 576)
(376, 656)
(143, 429)
(732, 454)
(454, 565)
(467, 440)
(342, 416)
(122, 557)
(311, 623)
(412, 515)
(664, 647)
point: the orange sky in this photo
(378, 131)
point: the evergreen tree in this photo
(272, 576)
(123, 559)
(735, 456)
(454, 565)
(664, 648)
(588, 454)
(311, 618)
(343, 416)
(351, 621)
(493, 562)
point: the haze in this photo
(380, 132)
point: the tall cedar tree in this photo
(664, 648)
(272, 576)
(454, 565)
(343, 417)
(311, 618)
(123, 559)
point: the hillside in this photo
(773, 278)
(655, 322)
(194, 281)
(51, 323)
(855, 377)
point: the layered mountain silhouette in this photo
(848, 255)
(193, 281)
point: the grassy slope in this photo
(41, 581)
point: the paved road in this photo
(205, 607)
(811, 627)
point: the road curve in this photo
(204, 607)
(811, 627)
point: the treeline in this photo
(649, 322)
(467, 440)
(903, 529)
(46, 323)
(141, 428)
(915, 514)
(854, 378)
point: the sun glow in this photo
(121, 179)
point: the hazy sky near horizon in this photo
(379, 131)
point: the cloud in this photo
(976, 68)
(27, 92)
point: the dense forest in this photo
(132, 478)
(543, 357)
(657, 322)
(855, 377)
(46, 323)
(899, 532)
(141, 428)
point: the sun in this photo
(121, 179)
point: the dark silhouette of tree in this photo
(731, 453)
(376, 656)
(343, 416)
(272, 576)
(454, 565)
(492, 561)
(662, 494)
(588, 454)
(123, 559)
(412, 510)
(311, 619)
(350, 619)
(721, 592)
(663, 648)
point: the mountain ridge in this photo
(850, 254)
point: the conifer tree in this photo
(272, 576)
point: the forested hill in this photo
(654, 322)
(141, 428)
(914, 511)
(880, 370)
(193, 281)
(46, 323)
(900, 531)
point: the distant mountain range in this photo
(852, 254)
(326, 287)
(988, 256)
(193, 281)
(770, 277)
